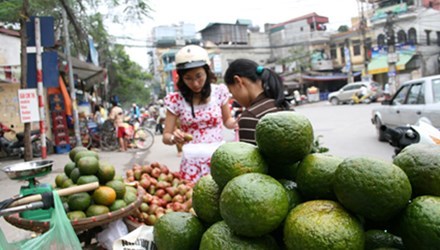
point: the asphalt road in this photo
(346, 130)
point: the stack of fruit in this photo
(85, 167)
(322, 202)
(166, 191)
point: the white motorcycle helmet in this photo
(191, 56)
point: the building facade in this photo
(412, 28)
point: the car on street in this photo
(345, 94)
(413, 100)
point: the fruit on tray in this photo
(86, 167)
(166, 191)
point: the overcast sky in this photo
(201, 13)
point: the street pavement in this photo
(122, 161)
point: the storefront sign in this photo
(28, 102)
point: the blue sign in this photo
(46, 30)
(50, 72)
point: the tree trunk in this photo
(23, 85)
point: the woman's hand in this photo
(231, 123)
(178, 136)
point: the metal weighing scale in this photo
(29, 171)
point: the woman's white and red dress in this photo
(206, 128)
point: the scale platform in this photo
(29, 171)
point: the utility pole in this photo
(363, 27)
(348, 64)
(392, 55)
(71, 81)
(24, 15)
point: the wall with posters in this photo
(10, 111)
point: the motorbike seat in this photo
(20, 136)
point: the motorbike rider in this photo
(135, 112)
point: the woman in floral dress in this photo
(202, 108)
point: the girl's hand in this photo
(179, 136)
(231, 123)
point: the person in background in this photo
(202, 108)
(97, 116)
(160, 117)
(259, 90)
(117, 115)
(104, 113)
(135, 112)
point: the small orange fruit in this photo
(104, 196)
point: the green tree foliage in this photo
(343, 28)
(300, 55)
(130, 79)
(85, 20)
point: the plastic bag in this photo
(60, 236)
(139, 239)
(114, 231)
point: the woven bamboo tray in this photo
(81, 224)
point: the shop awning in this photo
(85, 71)
(379, 64)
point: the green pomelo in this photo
(76, 215)
(60, 178)
(118, 177)
(118, 204)
(85, 179)
(178, 230)
(76, 150)
(82, 154)
(88, 165)
(322, 224)
(219, 237)
(205, 199)
(284, 137)
(421, 163)
(420, 223)
(67, 183)
(79, 201)
(375, 189)
(75, 174)
(95, 210)
(315, 176)
(69, 167)
(106, 172)
(232, 159)
(253, 204)
(283, 171)
(119, 188)
(130, 189)
(129, 197)
(375, 239)
(293, 195)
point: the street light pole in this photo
(392, 55)
(363, 26)
(71, 83)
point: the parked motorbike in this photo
(366, 99)
(421, 132)
(15, 147)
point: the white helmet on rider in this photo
(191, 56)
